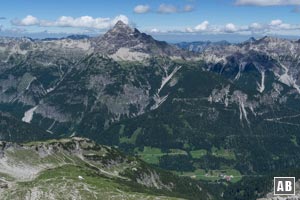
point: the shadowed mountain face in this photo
(229, 107)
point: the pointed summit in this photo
(121, 35)
(252, 39)
(120, 23)
(121, 27)
(131, 40)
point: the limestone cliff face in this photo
(73, 84)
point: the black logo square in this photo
(284, 185)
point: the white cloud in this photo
(189, 30)
(279, 25)
(230, 28)
(140, 9)
(276, 22)
(29, 20)
(167, 8)
(275, 26)
(206, 27)
(67, 21)
(255, 26)
(267, 2)
(154, 30)
(122, 18)
(202, 27)
(188, 8)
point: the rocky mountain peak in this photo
(120, 26)
(129, 40)
(251, 40)
(120, 31)
(121, 35)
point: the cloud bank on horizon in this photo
(204, 27)
(255, 27)
(169, 17)
(67, 21)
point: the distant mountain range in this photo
(201, 45)
(205, 110)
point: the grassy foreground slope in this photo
(77, 168)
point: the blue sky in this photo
(168, 19)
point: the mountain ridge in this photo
(215, 116)
(128, 39)
(47, 169)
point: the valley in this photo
(193, 120)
